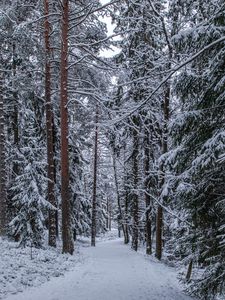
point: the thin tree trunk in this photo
(49, 131)
(68, 246)
(126, 208)
(135, 199)
(15, 125)
(148, 225)
(55, 177)
(159, 226)
(127, 238)
(3, 192)
(110, 219)
(189, 271)
(108, 213)
(15, 115)
(94, 199)
(159, 217)
(121, 215)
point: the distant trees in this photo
(144, 60)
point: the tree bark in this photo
(55, 177)
(108, 221)
(15, 125)
(148, 225)
(49, 131)
(126, 230)
(159, 227)
(68, 246)
(121, 215)
(15, 113)
(94, 199)
(189, 271)
(3, 191)
(135, 199)
(159, 217)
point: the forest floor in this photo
(110, 271)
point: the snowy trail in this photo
(111, 271)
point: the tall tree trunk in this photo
(94, 199)
(15, 113)
(126, 238)
(159, 227)
(135, 199)
(126, 208)
(121, 215)
(15, 126)
(159, 217)
(3, 192)
(148, 225)
(166, 111)
(108, 213)
(110, 218)
(68, 246)
(49, 131)
(55, 177)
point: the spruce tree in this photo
(198, 135)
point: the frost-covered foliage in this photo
(24, 117)
(29, 201)
(87, 86)
(161, 147)
(23, 61)
(22, 268)
(81, 203)
(199, 143)
(29, 194)
(137, 145)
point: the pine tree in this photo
(65, 189)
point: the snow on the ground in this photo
(111, 271)
(21, 268)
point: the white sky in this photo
(110, 28)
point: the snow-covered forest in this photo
(112, 125)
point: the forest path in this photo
(110, 271)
